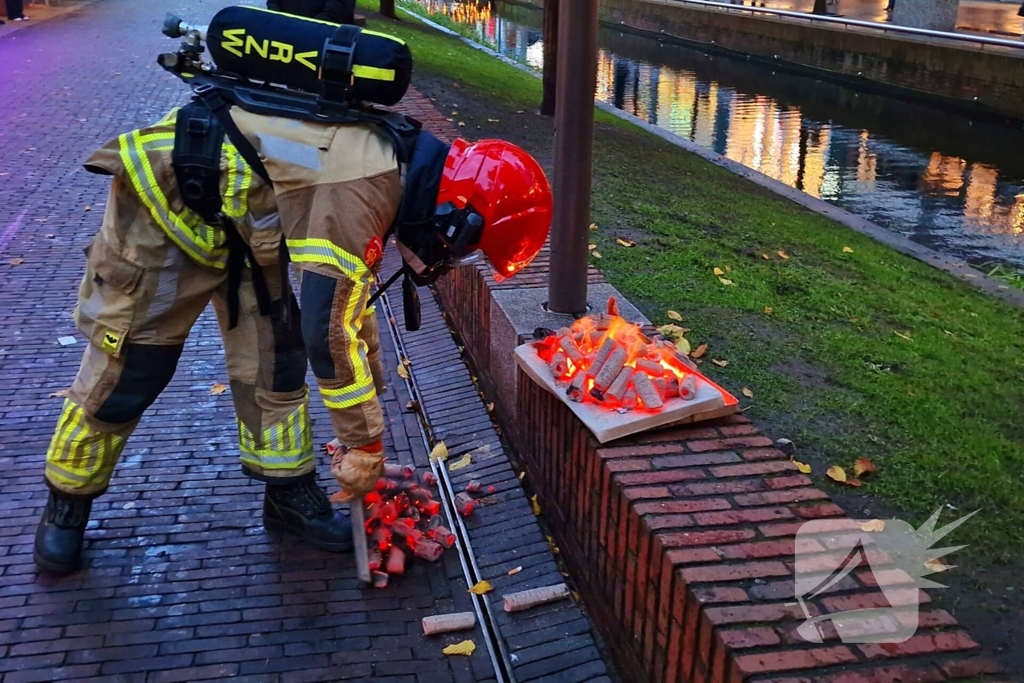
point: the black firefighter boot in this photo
(61, 530)
(301, 507)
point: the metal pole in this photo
(574, 137)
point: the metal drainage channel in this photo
(446, 493)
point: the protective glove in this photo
(357, 472)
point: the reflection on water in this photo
(939, 178)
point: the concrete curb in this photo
(958, 268)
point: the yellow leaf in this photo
(591, 247)
(766, 257)
(595, 254)
(60, 394)
(767, 310)
(513, 572)
(218, 389)
(673, 315)
(864, 466)
(783, 255)
(402, 372)
(535, 505)
(937, 565)
(806, 469)
(726, 282)
(683, 346)
(699, 351)
(406, 362)
(490, 407)
(720, 363)
(719, 272)
(847, 250)
(728, 269)
(624, 243)
(465, 648)
(671, 331)
(837, 473)
(464, 461)
(593, 227)
(873, 525)
(747, 392)
(481, 588)
(17, 261)
(439, 452)
(902, 335)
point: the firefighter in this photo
(335, 195)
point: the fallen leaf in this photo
(847, 250)
(747, 392)
(719, 272)
(481, 588)
(728, 269)
(674, 315)
(624, 243)
(17, 261)
(60, 394)
(766, 257)
(782, 254)
(413, 406)
(854, 482)
(767, 310)
(462, 124)
(455, 113)
(726, 282)
(218, 389)
(837, 473)
(439, 452)
(591, 247)
(805, 469)
(49, 236)
(699, 351)
(493, 120)
(402, 372)
(595, 254)
(902, 335)
(513, 572)
(937, 565)
(672, 331)
(864, 466)
(88, 208)
(720, 363)
(522, 475)
(490, 407)
(535, 505)
(465, 648)
(873, 525)
(949, 333)
(406, 362)
(464, 461)
(683, 346)
(593, 226)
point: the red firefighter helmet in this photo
(508, 188)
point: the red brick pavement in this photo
(183, 583)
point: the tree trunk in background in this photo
(387, 8)
(547, 104)
(819, 7)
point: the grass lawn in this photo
(849, 348)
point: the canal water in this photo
(937, 177)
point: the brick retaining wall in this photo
(681, 540)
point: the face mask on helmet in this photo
(448, 239)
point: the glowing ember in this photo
(608, 361)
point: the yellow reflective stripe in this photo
(78, 453)
(373, 73)
(169, 118)
(282, 444)
(353, 320)
(143, 180)
(349, 396)
(236, 194)
(311, 250)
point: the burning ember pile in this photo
(607, 361)
(403, 520)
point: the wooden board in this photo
(607, 425)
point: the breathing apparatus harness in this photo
(203, 124)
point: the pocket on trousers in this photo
(108, 297)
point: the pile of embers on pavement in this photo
(403, 519)
(608, 361)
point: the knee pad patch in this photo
(147, 370)
(289, 347)
(317, 301)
